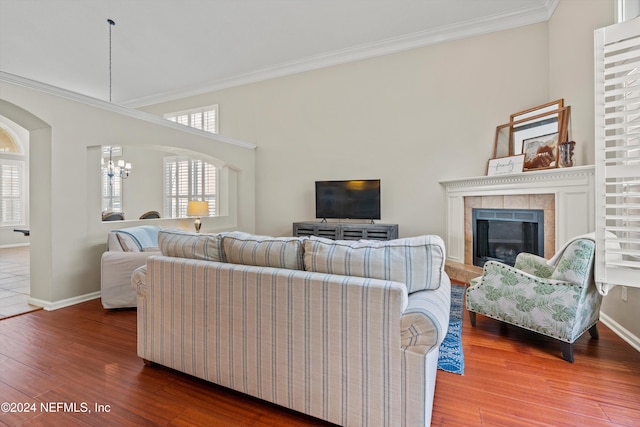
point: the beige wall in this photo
(67, 234)
(571, 66)
(624, 313)
(410, 119)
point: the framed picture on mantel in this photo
(541, 152)
(505, 165)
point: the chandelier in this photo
(121, 169)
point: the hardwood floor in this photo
(87, 355)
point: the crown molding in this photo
(471, 28)
(116, 108)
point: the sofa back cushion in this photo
(418, 262)
(186, 244)
(263, 251)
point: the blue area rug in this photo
(451, 357)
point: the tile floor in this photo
(14, 281)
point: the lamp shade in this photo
(197, 208)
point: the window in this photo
(111, 184)
(205, 118)
(189, 179)
(11, 192)
(12, 181)
(7, 143)
(617, 156)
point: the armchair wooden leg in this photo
(567, 351)
(472, 317)
(593, 331)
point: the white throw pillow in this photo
(127, 243)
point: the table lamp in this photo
(197, 208)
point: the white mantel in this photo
(573, 189)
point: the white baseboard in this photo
(49, 305)
(619, 330)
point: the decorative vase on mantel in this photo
(566, 154)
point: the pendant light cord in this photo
(111, 24)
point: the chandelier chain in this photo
(111, 24)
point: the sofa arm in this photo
(139, 280)
(533, 264)
(116, 269)
(425, 321)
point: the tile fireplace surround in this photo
(566, 195)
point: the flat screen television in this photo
(354, 199)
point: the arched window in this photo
(12, 181)
(7, 143)
(189, 179)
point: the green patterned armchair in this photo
(557, 298)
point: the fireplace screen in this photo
(501, 234)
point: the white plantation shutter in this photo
(111, 193)
(188, 179)
(210, 120)
(11, 192)
(618, 155)
(176, 187)
(183, 120)
(205, 118)
(196, 120)
(210, 186)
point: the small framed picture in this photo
(541, 152)
(505, 165)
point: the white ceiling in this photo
(163, 49)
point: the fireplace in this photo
(501, 234)
(565, 194)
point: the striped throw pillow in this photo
(263, 251)
(418, 262)
(185, 244)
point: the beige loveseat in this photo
(127, 249)
(344, 331)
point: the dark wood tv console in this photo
(346, 231)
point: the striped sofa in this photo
(344, 331)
